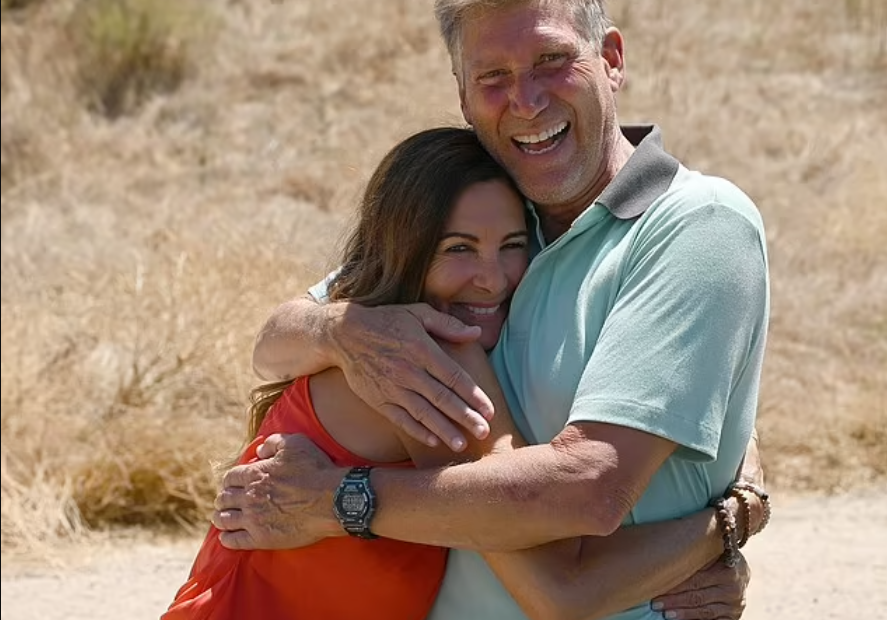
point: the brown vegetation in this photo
(163, 191)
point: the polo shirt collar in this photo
(647, 174)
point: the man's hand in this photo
(281, 502)
(714, 592)
(393, 364)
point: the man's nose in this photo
(528, 97)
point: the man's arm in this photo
(583, 482)
(388, 359)
(293, 342)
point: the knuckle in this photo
(441, 396)
(453, 377)
(422, 413)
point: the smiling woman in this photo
(441, 222)
(480, 258)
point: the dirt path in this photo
(820, 558)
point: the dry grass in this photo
(141, 251)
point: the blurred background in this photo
(173, 169)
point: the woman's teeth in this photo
(482, 311)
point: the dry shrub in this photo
(17, 5)
(20, 155)
(130, 386)
(128, 50)
(38, 506)
(870, 16)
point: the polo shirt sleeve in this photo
(691, 309)
(321, 291)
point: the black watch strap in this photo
(355, 502)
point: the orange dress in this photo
(336, 578)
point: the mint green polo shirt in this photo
(650, 312)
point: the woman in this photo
(440, 222)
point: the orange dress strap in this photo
(335, 578)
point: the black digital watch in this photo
(355, 502)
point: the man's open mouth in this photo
(539, 143)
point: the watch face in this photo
(354, 502)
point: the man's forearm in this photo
(293, 342)
(582, 483)
(505, 501)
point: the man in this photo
(633, 348)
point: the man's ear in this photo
(613, 54)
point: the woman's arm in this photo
(587, 577)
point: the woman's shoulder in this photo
(351, 422)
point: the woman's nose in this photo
(491, 277)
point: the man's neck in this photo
(556, 219)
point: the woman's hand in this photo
(714, 593)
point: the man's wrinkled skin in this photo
(404, 375)
(268, 503)
(709, 593)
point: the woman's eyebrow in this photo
(470, 237)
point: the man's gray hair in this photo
(589, 18)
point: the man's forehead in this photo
(491, 40)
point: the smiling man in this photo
(631, 355)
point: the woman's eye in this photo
(457, 249)
(515, 245)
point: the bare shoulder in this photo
(351, 422)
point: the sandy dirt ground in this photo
(820, 558)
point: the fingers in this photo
(228, 520)
(240, 539)
(230, 498)
(444, 325)
(712, 611)
(416, 411)
(271, 446)
(459, 398)
(715, 592)
(401, 418)
(457, 395)
(241, 476)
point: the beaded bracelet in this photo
(745, 507)
(743, 485)
(727, 525)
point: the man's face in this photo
(541, 99)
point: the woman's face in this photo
(480, 258)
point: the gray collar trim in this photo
(644, 178)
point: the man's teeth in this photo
(542, 137)
(476, 310)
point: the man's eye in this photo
(491, 77)
(551, 59)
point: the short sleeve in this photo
(689, 315)
(321, 291)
